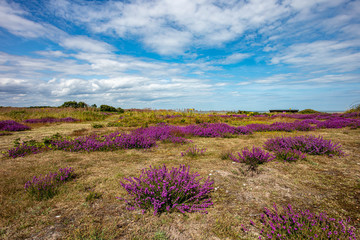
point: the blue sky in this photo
(166, 54)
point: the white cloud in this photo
(328, 55)
(85, 44)
(56, 54)
(332, 78)
(12, 20)
(170, 27)
(235, 58)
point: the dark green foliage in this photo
(82, 105)
(97, 125)
(308, 111)
(107, 108)
(74, 104)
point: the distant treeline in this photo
(74, 104)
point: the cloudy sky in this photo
(202, 54)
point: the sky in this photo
(251, 55)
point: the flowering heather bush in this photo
(339, 123)
(112, 141)
(10, 125)
(253, 157)
(44, 187)
(214, 130)
(193, 151)
(306, 144)
(281, 126)
(291, 224)
(24, 149)
(289, 155)
(179, 140)
(351, 115)
(166, 190)
(51, 120)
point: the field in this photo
(88, 205)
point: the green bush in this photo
(308, 111)
(97, 125)
(74, 104)
(107, 108)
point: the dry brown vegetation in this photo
(87, 208)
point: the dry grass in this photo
(320, 183)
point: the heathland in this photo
(82, 173)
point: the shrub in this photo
(97, 125)
(120, 110)
(289, 155)
(308, 111)
(193, 151)
(306, 144)
(24, 149)
(10, 125)
(108, 142)
(291, 224)
(44, 187)
(107, 108)
(74, 104)
(178, 140)
(253, 157)
(166, 190)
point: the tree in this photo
(74, 104)
(107, 108)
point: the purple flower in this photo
(253, 157)
(44, 187)
(10, 125)
(163, 190)
(292, 224)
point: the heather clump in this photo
(339, 122)
(10, 125)
(165, 190)
(306, 144)
(45, 187)
(193, 151)
(214, 130)
(289, 155)
(253, 157)
(24, 149)
(292, 224)
(108, 142)
(176, 140)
